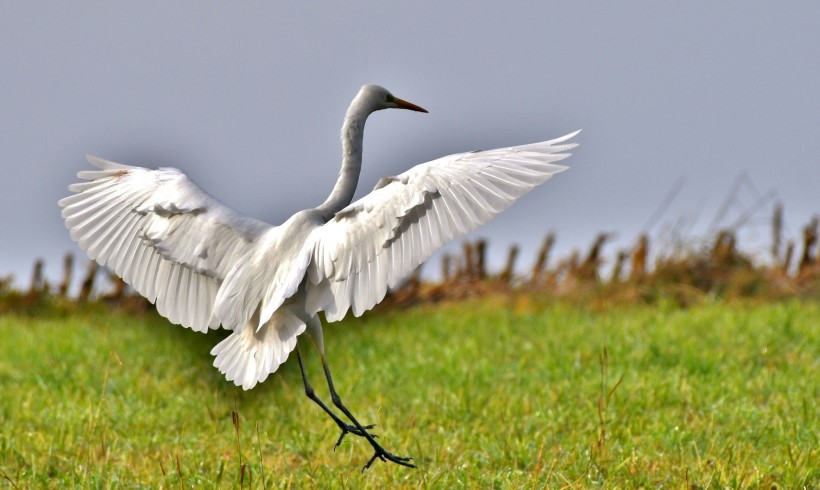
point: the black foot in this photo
(386, 456)
(357, 429)
(352, 429)
(362, 430)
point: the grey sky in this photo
(247, 99)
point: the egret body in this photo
(205, 266)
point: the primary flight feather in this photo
(205, 265)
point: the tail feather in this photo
(249, 355)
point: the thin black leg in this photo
(346, 428)
(380, 452)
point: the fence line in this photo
(719, 269)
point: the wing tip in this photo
(103, 164)
(64, 202)
(566, 137)
(97, 161)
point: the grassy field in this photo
(498, 393)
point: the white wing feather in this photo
(161, 233)
(372, 244)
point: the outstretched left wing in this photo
(161, 233)
(373, 243)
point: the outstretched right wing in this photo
(370, 245)
(161, 233)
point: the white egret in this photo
(206, 266)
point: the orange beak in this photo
(403, 104)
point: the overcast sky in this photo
(247, 98)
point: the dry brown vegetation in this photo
(716, 267)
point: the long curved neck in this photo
(352, 135)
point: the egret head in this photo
(376, 98)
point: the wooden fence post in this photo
(87, 286)
(777, 232)
(589, 268)
(543, 257)
(507, 273)
(617, 271)
(469, 262)
(68, 270)
(787, 259)
(809, 241)
(481, 262)
(38, 284)
(638, 269)
(445, 268)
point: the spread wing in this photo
(161, 233)
(373, 243)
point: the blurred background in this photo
(697, 116)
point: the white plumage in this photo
(205, 265)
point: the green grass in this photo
(499, 393)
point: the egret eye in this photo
(389, 98)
